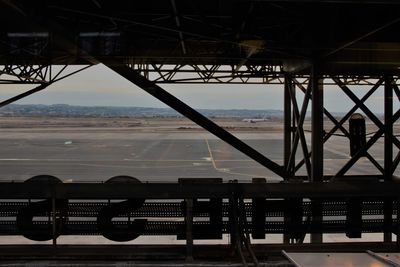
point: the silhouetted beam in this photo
(178, 25)
(338, 190)
(39, 87)
(170, 100)
(25, 94)
(384, 26)
(317, 126)
(370, 142)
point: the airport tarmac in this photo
(93, 154)
(164, 153)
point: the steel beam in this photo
(178, 26)
(362, 151)
(170, 100)
(388, 156)
(388, 141)
(170, 252)
(352, 110)
(287, 110)
(317, 126)
(300, 117)
(366, 110)
(207, 190)
(317, 143)
(24, 94)
(339, 124)
(40, 87)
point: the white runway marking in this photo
(16, 159)
(225, 170)
(134, 167)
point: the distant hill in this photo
(62, 110)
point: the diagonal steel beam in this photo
(336, 123)
(24, 94)
(355, 158)
(299, 131)
(370, 142)
(353, 109)
(396, 90)
(170, 100)
(356, 100)
(396, 162)
(40, 87)
(339, 124)
(364, 108)
(178, 25)
(307, 98)
(374, 162)
(382, 27)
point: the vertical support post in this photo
(317, 126)
(287, 137)
(317, 141)
(388, 157)
(189, 229)
(388, 160)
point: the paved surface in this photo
(98, 154)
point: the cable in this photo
(246, 231)
(238, 242)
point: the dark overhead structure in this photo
(301, 45)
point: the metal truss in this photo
(295, 115)
(36, 74)
(233, 74)
(294, 133)
(384, 128)
(310, 85)
(40, 75)
(252, 74)
(39, 69)
(25, 74)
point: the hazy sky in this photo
(100, 86)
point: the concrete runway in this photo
(96, 154)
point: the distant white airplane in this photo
(255, 120)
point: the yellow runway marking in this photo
(224, 170)
(211, 155)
